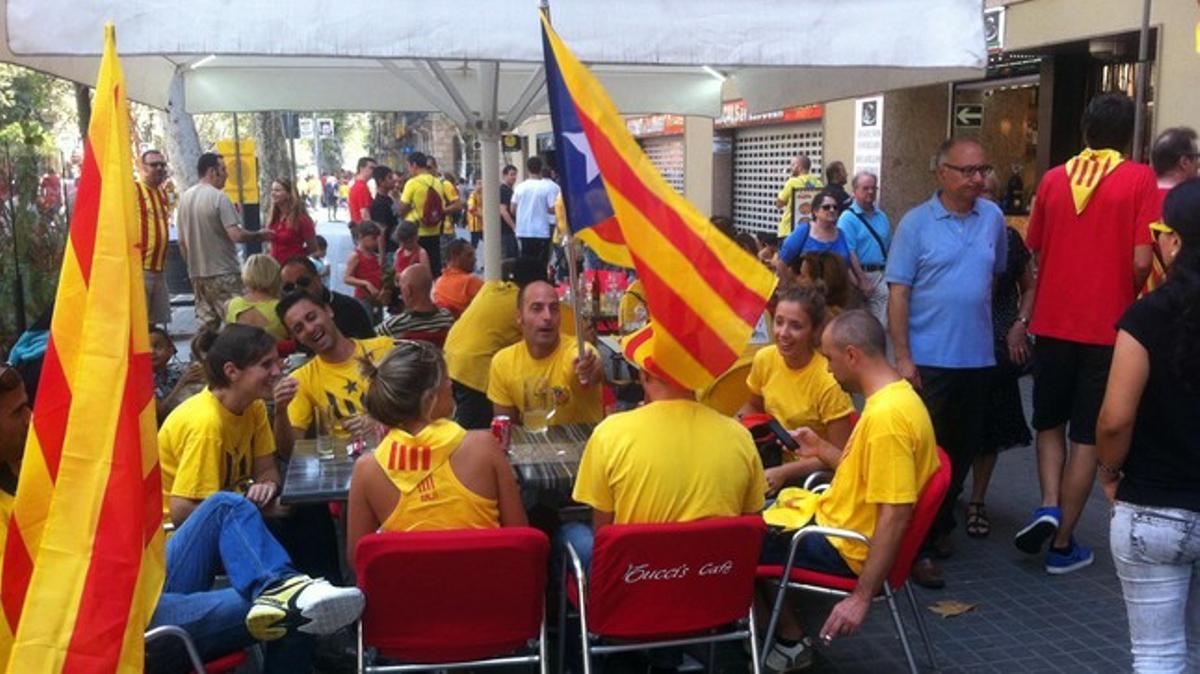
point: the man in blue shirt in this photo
(869, 233)
(940, 272)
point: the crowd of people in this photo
(886, 344)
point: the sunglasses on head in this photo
(302, 282)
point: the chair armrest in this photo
(176, 632)
(814, 530)
(817, 479)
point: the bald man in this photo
(421, 318)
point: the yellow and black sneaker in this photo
(300, 603)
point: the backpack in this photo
(434, 211)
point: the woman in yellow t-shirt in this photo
(428, 473)
(790, 380)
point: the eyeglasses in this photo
(9, 378)
(981, 170)
(302, 282)
(828, 207)
(1161, 228)
(157, 164)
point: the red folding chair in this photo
(924, 512)
(222, 665)
(453, 599)
(661, 585)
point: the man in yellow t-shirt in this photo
(412, 207)
(451, 200)
(888, 460)
(542, 359)
(671, 460)
(484, 328)
(795, 199)
(331, 384)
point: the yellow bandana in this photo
(1085, 172)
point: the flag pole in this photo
(569, 245)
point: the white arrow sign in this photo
(968, 115)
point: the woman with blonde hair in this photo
(261, 277)
(292, 231)
(463, 477)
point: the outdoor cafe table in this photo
(545, 465)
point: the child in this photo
(410, 251)
(318, 259)
(363, 271)
(174, 382)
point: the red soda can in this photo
(502, 430)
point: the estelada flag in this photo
(83, 561)
(704, 293)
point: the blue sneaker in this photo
(1041, 528)
(1074, 559)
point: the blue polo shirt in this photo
(860, 239)
(949, 261)
(800, 241)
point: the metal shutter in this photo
(761, 157)
(667, 156)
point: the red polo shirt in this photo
(1085, 272)
(360, 198)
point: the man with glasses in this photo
(299, 273)
(154, 210)
(208, 233)
(1174, 159)
(940, 270)
(1090, 235)
(870, 235)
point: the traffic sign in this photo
(968, 115)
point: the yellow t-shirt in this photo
(337, 387)
(573, 402)
(415, 191)
(803, 188)
(889, 457)
(474, 213)
(449, 194)
(239, 305)
(431, 496)
(204, 448)
(670, 461)
(809, 396)
(488, 325)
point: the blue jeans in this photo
(1157, 555)
(225, 532)
(580, 536)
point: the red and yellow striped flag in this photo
(704, 293)
(83, 561)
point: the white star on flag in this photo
(579, 141)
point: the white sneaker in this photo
(304, 604)
(790, 658)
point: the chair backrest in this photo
(444, 596)
(652, 581)
(924, 512)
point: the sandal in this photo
(978, 524)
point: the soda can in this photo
(502, 430)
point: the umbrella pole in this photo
(490, 200)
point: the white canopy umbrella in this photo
(479, 61)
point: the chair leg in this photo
(891, 602)
(916, 609)
(711, 665)
(754, 655)
(562, 623)
(773, 622)
(543, 647)
(361, 655)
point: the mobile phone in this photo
(783, 436)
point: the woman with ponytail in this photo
(428, 473)
(1148, 449)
